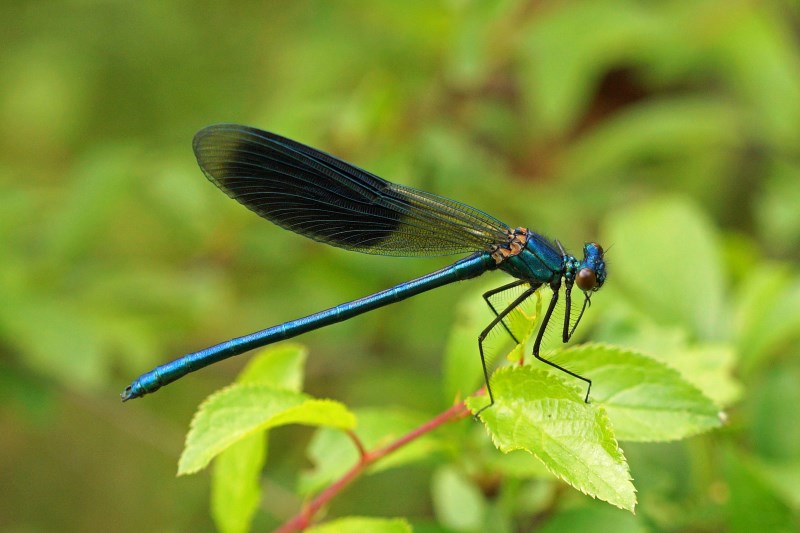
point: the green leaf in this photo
(669, 265)
(536, 412)
(710, 368)
(333, 453)
(753, 505)
(458, 503)
(281, 365)
(771, 411)
(516, 464)
(768, 314)
(360, 524)
(646, 400)
(235, 488)
(244, 409)
(783, 478)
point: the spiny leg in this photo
(496, 320)
(538, 342)
(498, 290)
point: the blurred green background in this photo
(576, 119)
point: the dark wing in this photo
(326, 199)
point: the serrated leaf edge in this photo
(669, 369)
(264, 426)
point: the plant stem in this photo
(303, 519)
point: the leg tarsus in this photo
(537, 344)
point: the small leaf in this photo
(360, 524)
(709, 367)
(243, 409)
(235, 489)
(333, 453)
(459, 504)
(536, 412)
(280, 365)
(646, 400)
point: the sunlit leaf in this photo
(235, 488)
(646, 400)
(281, 365)
(458, 502)
(535, 412)
(244, 409)
(709, 367)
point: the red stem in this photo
(357, 441)
(303, 519)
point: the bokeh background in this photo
(117, 255)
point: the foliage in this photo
(666, 131)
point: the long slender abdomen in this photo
(470, 267)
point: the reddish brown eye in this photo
(586, 279)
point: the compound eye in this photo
(586, 279)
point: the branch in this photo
(303, 519)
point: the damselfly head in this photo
(592, 273)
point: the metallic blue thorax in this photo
(539, 261)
